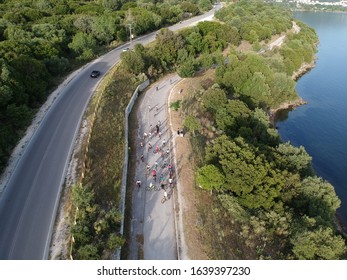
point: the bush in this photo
(175, 105)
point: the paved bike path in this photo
(153, 229)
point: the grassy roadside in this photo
(97, 223)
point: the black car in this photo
(95, 74)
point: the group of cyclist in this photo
(158, 150)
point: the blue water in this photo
(321, 125)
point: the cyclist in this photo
(165, 197)
(151, 186)
(154, 174)
(161, 179)
(148, 168)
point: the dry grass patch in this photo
(187, 163)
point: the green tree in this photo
(282, 88)
(248, 175)
(83, 44)
(51, 33)
(187, 68)
(293, 159)
(166, 48)
(192, 124)
(257, 91)
(320, 244)
(82, 197)
(133, 62)
(88, 252)
(84, 23)
(104, 28)
(232, 116)
(204, 5)
(81, 233)
(195, 40)
(18, 116)
(231, 204)
(170, 13)
(261, 131)
(143, 20)
(111, 4)
(214, 99)
(206, 61)
(182, 56)
(318, 199)
(57, 65)
(114, 241)
(190, 8)
(37, 85)
(210, 178)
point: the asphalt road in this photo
(29, 202)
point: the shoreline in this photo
(319, 10)
(304, 68)
(291, 105)
(340, 226)
(273, 112)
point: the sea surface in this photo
(321, 125)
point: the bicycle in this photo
(165, 198)
(148, 169)
(161, 178)
(151, 187)
(170, 183)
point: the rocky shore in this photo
(305, 67)
(285, 106)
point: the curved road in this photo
(30, 199)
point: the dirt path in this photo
(277, 42)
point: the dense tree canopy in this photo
(255, 20)
(249, 176)
(320, 244)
